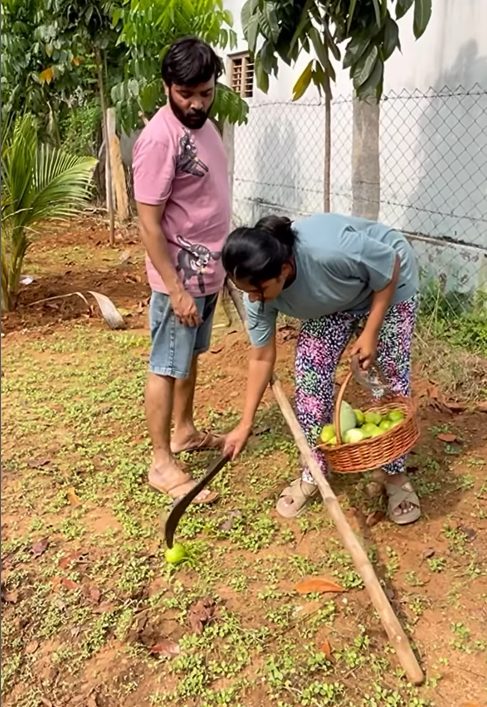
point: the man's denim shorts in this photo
(174, 345)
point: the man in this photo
(183, 203)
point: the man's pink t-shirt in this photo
(186, 170)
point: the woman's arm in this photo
(260, 369)
(366, 345)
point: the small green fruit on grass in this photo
(176, 554)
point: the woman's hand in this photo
(365, 348)
(236, 440)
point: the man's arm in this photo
(156, 246)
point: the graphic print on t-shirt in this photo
(187, 158)
(192, 260)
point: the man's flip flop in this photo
(207, 442)
(185, 487)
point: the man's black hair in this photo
(190, 62)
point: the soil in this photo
(73, 469)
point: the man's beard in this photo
(193, 119)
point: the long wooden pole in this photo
(389, 620)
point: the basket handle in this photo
(338, 405)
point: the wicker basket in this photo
(373, 452)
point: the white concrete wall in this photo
(433, 145)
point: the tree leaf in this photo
(373, 86)
(251, 32)
(303, 82)
(351, 10)
(165, 648)
(39, 547)
(391, 38)
(261, 76)
(72, 496)
(47, 75)
(10, 597)
(69, 584)
(363, 69)
(374, 518)
(320, 47)
(320, 585)
(355, 49)
(422, 14)
(377, 12)
(402, 7)
(447, 437)
(325, 648)
(108, 310)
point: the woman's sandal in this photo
(177, 491)
(295, 497)
(402, 494)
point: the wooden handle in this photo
(338, 406)
(389, 620)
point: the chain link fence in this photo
(433, 178)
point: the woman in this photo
(334, 273)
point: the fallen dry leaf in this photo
(104, 607)
(201, 613)
(38, 463)
(470, 533)
(73, 558)
(165, 648)
(10, 597)
(326, 648)
(447, 437)
(429, 552)
(72, 496)
(32, 647)
(230, 521)
(374, 489)
(374, 518)
(39, 547)
(94, 594)
(317, 584)
(69, 584)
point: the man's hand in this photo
(236, 440)
(185, 309)
(365, 348)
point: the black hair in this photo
(257, 254)
(189, 62)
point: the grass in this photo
(90, 608)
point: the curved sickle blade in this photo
(179, 508)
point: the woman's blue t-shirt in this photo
(340, 262)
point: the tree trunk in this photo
(119, 186)
(327, 164)
(365, 159)
(108, 168)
